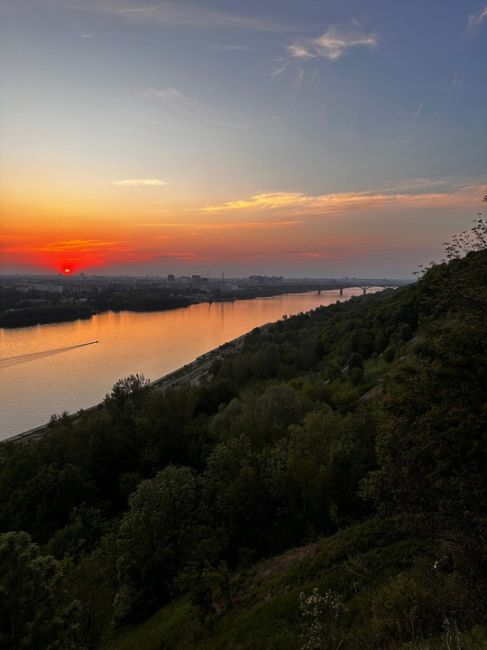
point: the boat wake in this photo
(7, 362)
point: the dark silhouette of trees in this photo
(33, 611)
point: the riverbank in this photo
(19, 311)
(48, 373)
(51, 314)
(191, 373)
(47, 314)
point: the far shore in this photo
(51, 314)
(66, 313)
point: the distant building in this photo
(264, 280)
(47, 287)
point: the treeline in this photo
(18, 309)
(371, 408)
(37, 315)
(24, 308)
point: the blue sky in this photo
(224, 101)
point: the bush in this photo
(405, 610)
(356, 376)
(389, 354)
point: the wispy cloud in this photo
(164, 93)
(298, 51)
(334, 43)
(476, 20)
(66, 245)
(179, 13)
(240, 225)
(139, 182)
(80, 252)
(299, 203)
(279, 68)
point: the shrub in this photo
(356, 376)
(389, 354)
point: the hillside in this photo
(324, 487)
(361, 563)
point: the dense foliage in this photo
(372, 408)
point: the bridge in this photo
(360, 284)
(370, 286)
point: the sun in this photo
(67, 270)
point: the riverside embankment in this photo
(191, 373)
(46, 370)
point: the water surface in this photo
(49, 369)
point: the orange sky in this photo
(139, 225)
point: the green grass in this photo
(173, 626)
(266, 616)
(475, 639)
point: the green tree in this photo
(91, 580)
(34, 612)
(234, 500)
(156, 537)
(126, 395)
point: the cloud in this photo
(79, 244)
(476, 20)
(139, 182)
(66, 245)
(88, 35)
(178, 13)
(82, 253)
(164, 93)
(300, 203)
(280, 68)
(298, 51)
(332, 44)
(270, 200)
(240, 225)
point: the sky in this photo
(292, 137)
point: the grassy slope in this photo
(265, 613)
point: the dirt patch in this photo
(373, 392)
(251, 588)
(281, 564)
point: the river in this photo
(49, 369)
